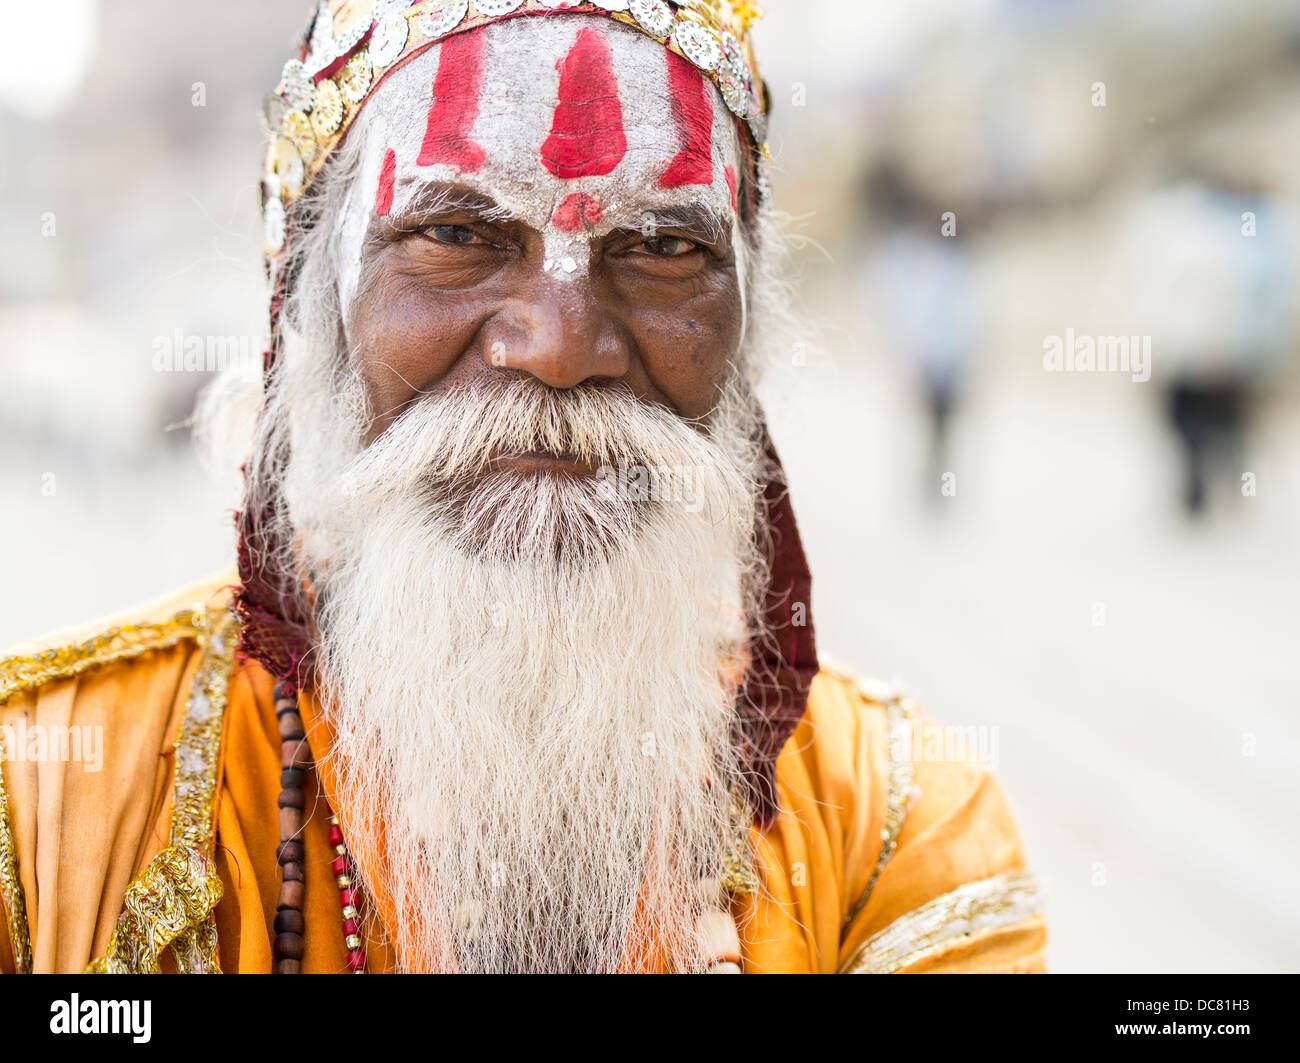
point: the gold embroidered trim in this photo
(11, 889)
(174, 894)
(199, 743)
(898, 726)
(172, 901)
(737, 858)
(21, 673)
(967, 912)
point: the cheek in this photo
(686, 349)
(407, 337)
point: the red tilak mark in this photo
(587, 132)
(730, 175)
(455, 105)
(387, 175)
(576, 209)
(693, 114)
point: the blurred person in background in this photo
(1214, 283)
(517, 671)
(919, 280)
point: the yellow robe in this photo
(138, 822)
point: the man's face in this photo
(546, 196)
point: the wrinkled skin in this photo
(646, 291)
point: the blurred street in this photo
(1120, 745)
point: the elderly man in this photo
(518, 671)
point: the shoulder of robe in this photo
(846, 712)
(936, 877)
(123, 640)
(113, 692)
(933, 874)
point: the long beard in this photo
(531, 677)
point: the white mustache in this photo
(455, 436)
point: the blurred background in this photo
(991, 197)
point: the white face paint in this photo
(538, 77)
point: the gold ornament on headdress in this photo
(747, 13)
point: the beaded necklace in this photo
(290, 925)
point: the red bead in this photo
(340, 865)
(350, 927)
(347, 896)
(356, 961)
(336, 836)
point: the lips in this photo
(544, 461)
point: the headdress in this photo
(351, 46)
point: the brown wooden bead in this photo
(289, 946)
(290, 822)
(295, 758)
(295, 755)
(290, 852)
(291, 727)
(291, 895)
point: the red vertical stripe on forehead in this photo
(693, 113)
(587, 138)
(387, 175)
(456, 89)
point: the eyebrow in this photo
(438, 199)
(698, 219)
(435, 200)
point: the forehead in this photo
(569, 123)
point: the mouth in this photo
(538, 462)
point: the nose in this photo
(558, 333)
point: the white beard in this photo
(525, 675)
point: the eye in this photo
(665, 247)
(457, 235)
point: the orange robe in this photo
(138, 822)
